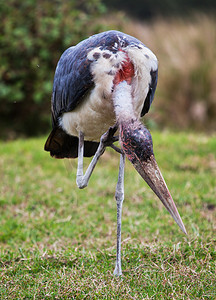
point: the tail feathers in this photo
(62, 145)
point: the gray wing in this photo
(72, 80)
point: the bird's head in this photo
(136, 142)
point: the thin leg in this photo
(119, 195)
(82, 180)
(107, 139)
(80, 159)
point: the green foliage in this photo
(58, 242)
(33, 35)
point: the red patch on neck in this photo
(125, 73)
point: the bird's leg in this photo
(82, 180)
(79, 178)
(107, 139)
(119, 195)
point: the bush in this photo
(33, 35)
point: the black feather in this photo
(62, 145)
(150, 96)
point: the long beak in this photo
(151, 173)
(136, 142)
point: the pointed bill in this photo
(151, 173)
(136, 142)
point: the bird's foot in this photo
(108, 138)
(118, 270)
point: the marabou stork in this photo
(102, 86)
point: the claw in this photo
(108, 137)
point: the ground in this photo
(58, 241)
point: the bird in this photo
(102, 88)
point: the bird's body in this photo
(102, 86)
(82, 100)
(98, 104)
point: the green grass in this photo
(58, 242)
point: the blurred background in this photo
(34, 33)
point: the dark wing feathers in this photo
(72, 80)
(150, 96)
(62, 145)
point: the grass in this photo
(58, 242)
